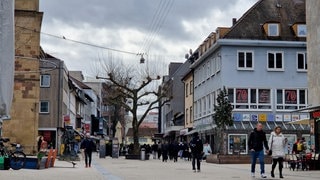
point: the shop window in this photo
(243, 98)
(237, 144)
(288, 99)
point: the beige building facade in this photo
(188, 102)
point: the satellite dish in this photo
(186, 56)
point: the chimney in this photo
(234, 21)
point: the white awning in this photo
(191, 132)
(301, 121)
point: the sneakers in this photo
(253, 175)
(263, 175)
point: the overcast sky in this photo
(164, 29)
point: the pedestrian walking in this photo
(258, 140)
(207, 150)
(154, 148)
(196, 147)
(159, 150)
(175, 150)
(165, 151)
(277, 144)
(88, 146)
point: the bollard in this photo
(143, 154)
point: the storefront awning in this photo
(301, 121)
(191, 132)
(307, 109)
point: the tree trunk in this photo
(135, 128)
(220, 141)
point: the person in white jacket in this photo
(277, 143)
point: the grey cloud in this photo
(135, 14)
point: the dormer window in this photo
(273, 29)
(301, 30)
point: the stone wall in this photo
(23, 126)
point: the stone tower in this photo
(23, 125)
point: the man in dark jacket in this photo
(88, 146)
(256, 142)
(196, 147)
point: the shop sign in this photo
(316, 114)
(254, 117)
(287, 117)
(270, 117)
(237, 117)
(295, 117)
(262, 117)
(66, 119)
(87, 127)
(291, 97)
(279, 117)
(246, 117)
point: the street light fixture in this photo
(142, 60)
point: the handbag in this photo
(270, 150)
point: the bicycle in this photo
(17, 158)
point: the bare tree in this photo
(135, 89)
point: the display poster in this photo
(286, 117)
(262, 117)
(270, 117)
(290, 96)
(246, 117)
(295, 117)
(264, 96)
(279, 117)
(237, 117)
(254, 117)
(241, 95)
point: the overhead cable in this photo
(79, 42)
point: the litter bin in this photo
(143, 154)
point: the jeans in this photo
(196, 157)
(88, 157)
(254, 156)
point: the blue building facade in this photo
(263, 65)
